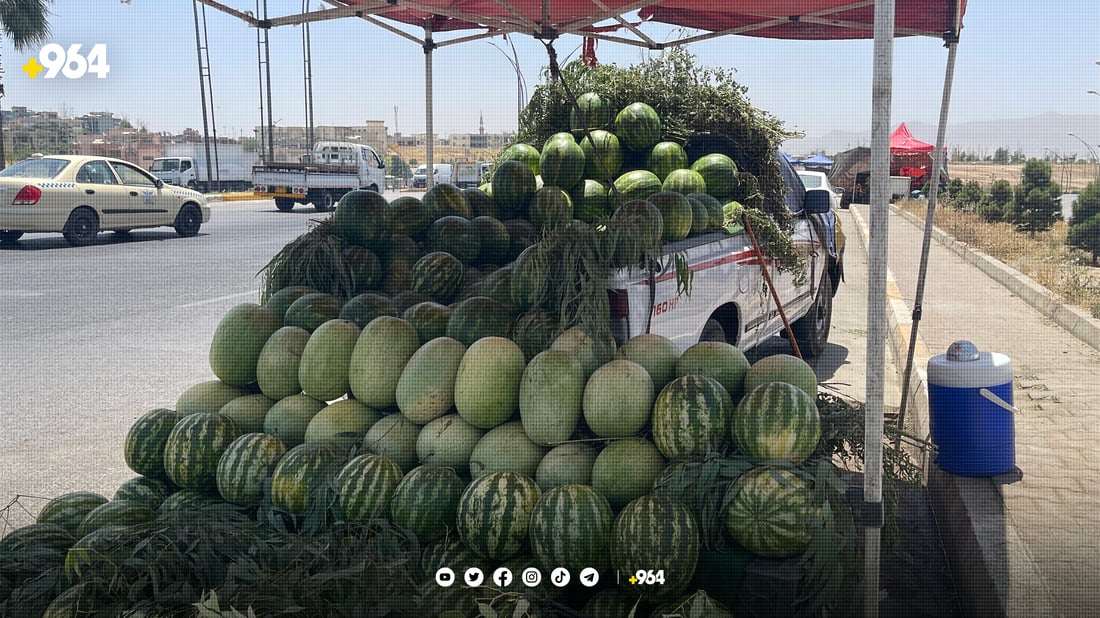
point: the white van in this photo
(442, 174)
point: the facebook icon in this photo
(502, 577)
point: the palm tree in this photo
(25, 23)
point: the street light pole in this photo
(1091, 152)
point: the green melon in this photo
(550, 395)
(524, 153)
(425, 502)
(655, 533)
(302, 477)
(397, 278)
(364, 308)
(718, 360)
(145, 441)
(522, 234)
(486, 386)
(208, 396)
(478, 317)
(481, 203)
(533, 332)
(426, 388)
(562, 162)
(713, 205)
(591, 201)
(246, 465)
(277, 367)
(364, 487)
(115, 513)
(313, 310)
(719, 172)
(445, 199)
(238, 340)
(193, 448)
(617, 399)
(68, 510)
(570, 462)
(638, 126)
(656, 353)
(626, 469)
(513, 187)
(323, 370)
(777, 421)
(410, 216)
(363, 217)
(506, 448)
(676, 214)
(691, 418)
(281, 300)
(494, 512)
(248, 412)
(595, 112)
(529, 279)
(403, 249)
(383, 349)
(364, 267)
(144, 490)
(637, 185)
(447, 441)
(665, 157)
(438, 274)
(497, 285)
(395, 437)
(591, 352)
(571, 527)
(408, 298)
(550, 207)
(290, 416)
(429, 318)
(603, 156)
(343, 424)
(770, 511)
(644, 217)
(101, 552)
(494, 240)
(700, 218)
(685, 181)
(782, 368)
(37, 536)
(457, 236)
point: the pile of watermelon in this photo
(434, 388)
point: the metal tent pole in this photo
(881, 99)
(429, 45)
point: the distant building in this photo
(99, 122)
(372, 133)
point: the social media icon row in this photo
(502, 577)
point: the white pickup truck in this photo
(728, 299)
(322, 177)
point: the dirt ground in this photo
(1072, 176)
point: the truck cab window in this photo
(185, 165)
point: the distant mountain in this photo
(1036, 136)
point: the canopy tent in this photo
(902, 141)
(818, 160)
(614, 20)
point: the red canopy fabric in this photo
(902, 141)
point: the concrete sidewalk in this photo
(1025, 544)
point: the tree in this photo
(1087, 205)
(970, 195)
(1000, 192)
(25, 23)
(1037, 212)
(398, 168)
(1084, 225)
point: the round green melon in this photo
(506, 448)
(719, 172)
(403, 248)
(68, 510)
(363, 218)
(637, 185)
(603, 160)
(638, 126)
(208, 396)
(447, 441)
(238, 340)
(665, 157)
(562, 162)
(590, 351)
(486, 387)
(770, 511)
(550, 394)
(550, 207)
(782, 368)
(494, 240)
(676, 215)
(144, 490)
(193, 448)
(281, 300)
(426, 388)
(643, 217)
(481, 203)
(248, 412)
(478, 317)
(524, 153)
(617, 399)
(494, 512)
(652, 533)
(656, 353)
(457, 236)
(685, 181)
(290, 416)
(522, 235)
(777, 421)
(513, 187)
(445, 199)
(114, 513)
(145, 442)
(302, 477)
(570, 462)
(429, 319)
(395, 437)
(323, 370)
(363, 308)
(438, 274)
(571, 527)
(365, 486)
(713, 205)
(365, 268)
(595, 112)
(313, 310)
(533, 332)
(691, 418)
(591, 201)
(246, 465)
(410, 216)
(37, 536)
(343, 424)
(426, 500)
(383, 349)
(718, 360)
(529, 280)
(700, 218)
(626, 469)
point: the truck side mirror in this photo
(817, 201)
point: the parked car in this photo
(81, 195)
(819, 180)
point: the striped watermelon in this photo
(604, 159)
(591, 201)
(494, 512)
(115, 512)
(194, 447)
(513, 185)
(144, 446)
(595, 111)
(494, 240)
(676, 215)
(529, 279)
(302, 475)
(561, 163)
(438, 274)
(691, 418)
(245, 465)
(40, 535)
(684, 181)
(714, 207)
(550, 207)
(533, 332)
(637, 185)
(656, 532)
(410, 216)
(426, 500)
(719, 172)
(478, 317)
(364, 218)
(70, 509)
(453, 553)
(638, 126)
(445, 199)
(457, 236)
(571, 527)
(281, 300)
(144, 490)
(102, 552)
(777, 421)
(770, 512)
(186, 500)
(665, 157)
(364, 487)
(363, 308)
(429, 318)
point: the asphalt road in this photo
(94, 337)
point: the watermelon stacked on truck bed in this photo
(477, 420)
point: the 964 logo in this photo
(53, 60)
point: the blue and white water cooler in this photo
(971, 412)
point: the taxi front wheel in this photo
(188, 221)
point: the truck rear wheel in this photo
(284, 204)
(811, 331)
(323, 201)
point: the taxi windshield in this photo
(35, 168)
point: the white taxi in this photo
(80, 195)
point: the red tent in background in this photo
(902, 141)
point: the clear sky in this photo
(1016, 59)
